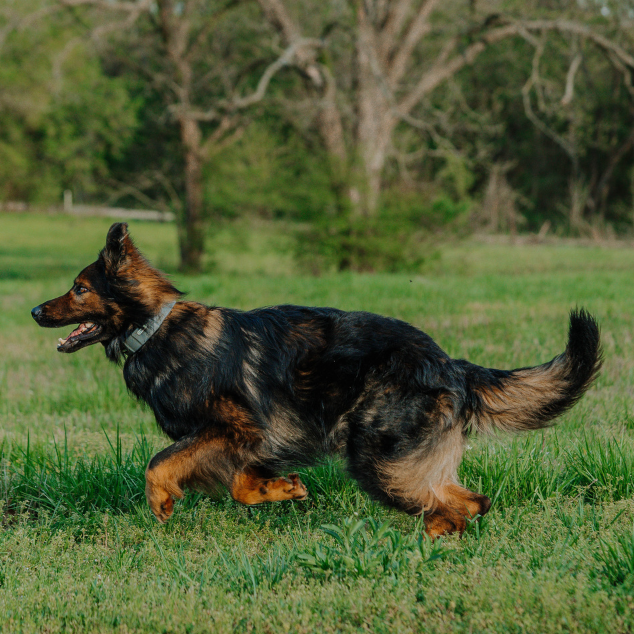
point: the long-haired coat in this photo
(246, 396)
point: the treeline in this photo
(372, 123)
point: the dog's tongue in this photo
(81, 328)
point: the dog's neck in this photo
(139, 336)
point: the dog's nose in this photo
(36, 312)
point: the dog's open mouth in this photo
(84, 333)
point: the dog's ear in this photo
(116, 235)
(118, 247)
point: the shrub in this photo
(402, 237)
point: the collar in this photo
(139, 336)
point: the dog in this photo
(248, 396)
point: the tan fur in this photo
(242, 430)
(464, 501)
(213, 328)
(249, 371)
(251, 487)
(167, 480)
(506, 408)
(444, 520)
(283, 428)
(427, 481)
(153, 288)
(421, 478)
(458, 507)
(336, 439)
(196, 465)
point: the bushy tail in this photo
(530, 398)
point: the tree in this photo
(62, 119)
(404, 50)
(196, 54)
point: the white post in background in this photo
(68, 200)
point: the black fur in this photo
(279, 387)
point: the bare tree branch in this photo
(442, 70)
(396, 14)
(210, 23)
(329, 119)
(127, 189)
(133, 9)
(282, 61)
(21, 22)
(138, 5)
(227, 133)
(278, 16)
(567, 26)
(615, 159)
(570, 80)
(533, 80)
(417, 29)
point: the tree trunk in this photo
(375, 121)
(331, 131)
(192, 235)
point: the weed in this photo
(617, 559)
(66, 485)
(365, 548)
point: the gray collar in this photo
(139, 336)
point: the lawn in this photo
(80, 551)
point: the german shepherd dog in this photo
(246, 396)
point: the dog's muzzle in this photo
(36, 313)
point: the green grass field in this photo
(80, 551)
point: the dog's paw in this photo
(161, 503)
(296, 490)
(447, 523)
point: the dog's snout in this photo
(36, 313)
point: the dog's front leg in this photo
(196, 459)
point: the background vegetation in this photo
(80, 552)
(368, 126)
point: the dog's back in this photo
(247, 395)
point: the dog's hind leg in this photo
(254, 485)
(454, 506)
(425, 481)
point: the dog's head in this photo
(120, 291)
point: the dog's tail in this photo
(530, 398)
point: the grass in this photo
(79, 551)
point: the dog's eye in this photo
(80, 290)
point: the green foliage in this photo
(268, 173)
(114, 482)
(593, 126)
(618, 560)
(60, 129)
(400, 239)
(358, 244)
(367, 548)
(90, 120)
